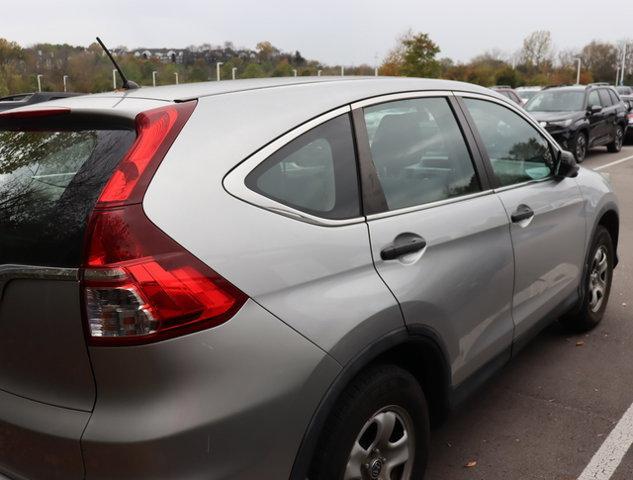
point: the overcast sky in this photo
(332, 31)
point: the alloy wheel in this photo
(384, 448)
(581, 148)
(598, 278)
(619, 138)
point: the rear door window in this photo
(614, 97)
(50, 180)
(419, 152)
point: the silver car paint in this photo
(300, 272)
(549, 248)
(468, 250)
(233, 402)
(40, 441)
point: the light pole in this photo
(233, 71)
(342, 71)
(39, 82)
(217, 70)
(154, 73)
(176, 75)
(319, 73)
(578, 61)
(623, 64)
(114, 78)
(294, 72)
(65, 80)
(617, 75)
(376, 72)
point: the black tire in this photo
(579, 147)
(618, 139)
(585, 315)
(381, 387)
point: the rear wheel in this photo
(579, 147)
(618, 140)
(597, 284)
(379, 430)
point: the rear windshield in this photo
(557, 101)
(49, 182)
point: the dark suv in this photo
(581, 117)
(23, 99)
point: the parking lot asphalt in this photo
(547, 413)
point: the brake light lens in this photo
(156, 131)
(139, 285)
(27, 114)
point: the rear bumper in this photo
(232, 402)
(39, 441)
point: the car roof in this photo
(356, 86)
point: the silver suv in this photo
(272, 279)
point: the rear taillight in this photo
(139, 285)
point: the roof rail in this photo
(599, 84)
(501, 86)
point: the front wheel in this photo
(579, 147)
(597, 284)
(618, 140)
(378, 430)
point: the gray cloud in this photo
(333, 31)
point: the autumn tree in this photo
(600, 59)
(537, 49)
(414, 56)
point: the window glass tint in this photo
(315, 173)
(556, 101)
(517, 151)
(49, 183)
(614, 98)
(605, 99)
(419, 152)
(594, 99)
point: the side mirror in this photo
(566, 166)
(593, 109)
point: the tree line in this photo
(415, 54)
(538, 62)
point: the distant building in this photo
(165, 55)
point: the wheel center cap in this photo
(375, 468)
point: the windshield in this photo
(556, 101)
(527, 94)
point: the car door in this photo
(546, 213)
(439, 236)
(610, 112)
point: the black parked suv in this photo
(580, 117)
(23, 99)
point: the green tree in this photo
(414, 56)
(418, 58)
(253, 70)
